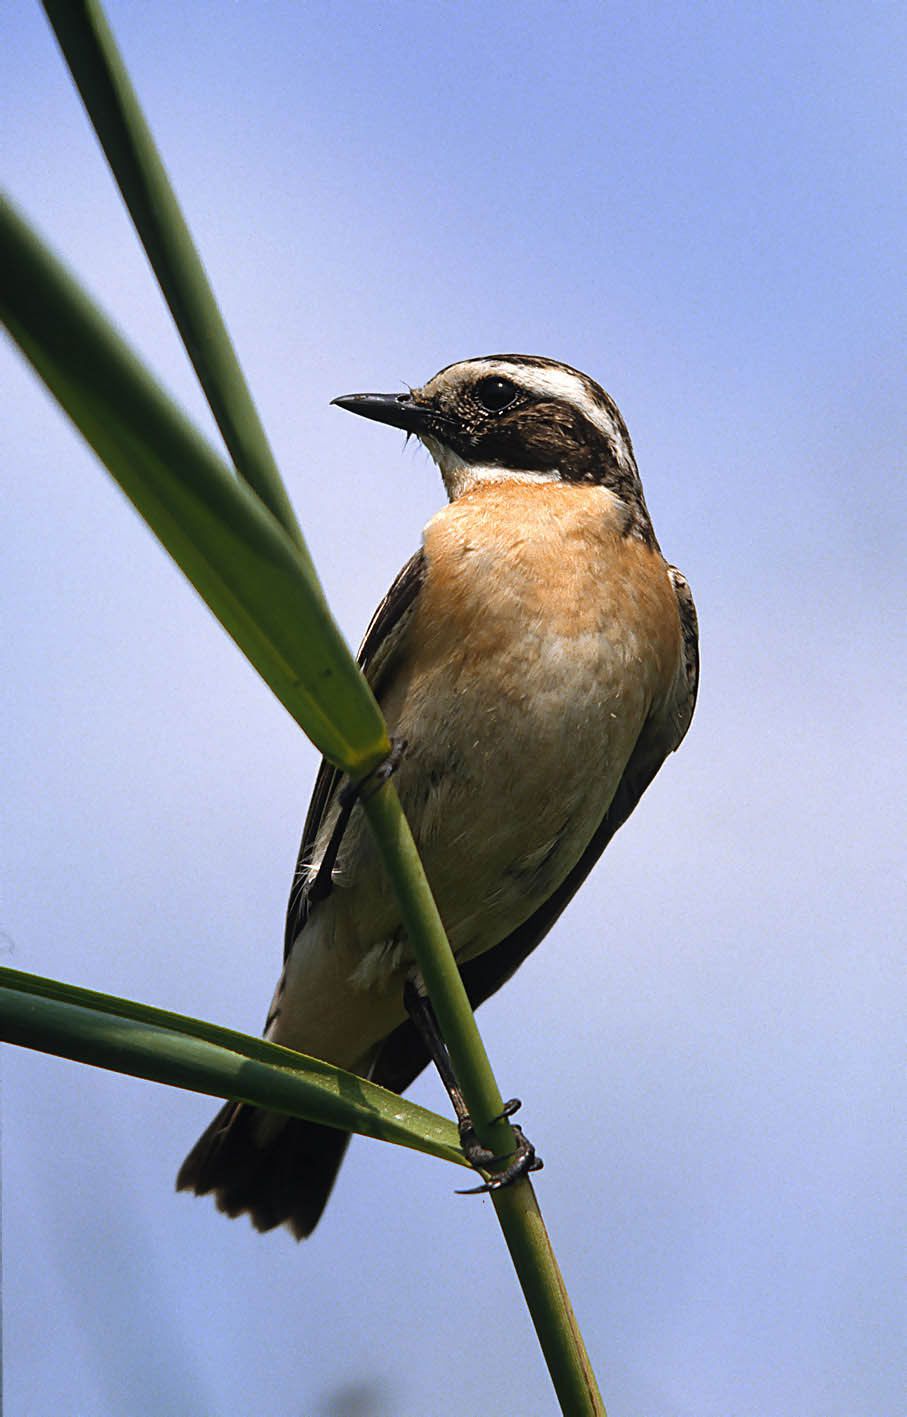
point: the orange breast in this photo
(509, 561)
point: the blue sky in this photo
(700, 206)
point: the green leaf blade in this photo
(241, 561)
(140, 1041)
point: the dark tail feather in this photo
(281, 1177)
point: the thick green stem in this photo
(516, 1206)
(547, 1300)
(116, 115)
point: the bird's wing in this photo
(289, 1177)
(376, 655)
(685, 701)
(403, 1055)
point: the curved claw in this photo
(522, 1161)
(478, 1155)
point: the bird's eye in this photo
(495, 394)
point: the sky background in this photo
(699, 205)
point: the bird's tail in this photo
(278, 1169)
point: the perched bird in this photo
(539, 659)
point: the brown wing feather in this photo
(376, 654)
(289, 1177)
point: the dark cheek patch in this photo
(540, 437)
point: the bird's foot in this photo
(520, 1161)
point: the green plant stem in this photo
(94, 61)
(548, 1302)
(515, 1206)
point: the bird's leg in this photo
(348, 797)
(321, 886)
(523, 1159)
(419, 1008)
(363, 789)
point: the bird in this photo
(536, 661)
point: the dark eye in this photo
(494, 394)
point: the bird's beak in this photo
(399, 410)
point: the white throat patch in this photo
(460, 476)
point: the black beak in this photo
(399, 410)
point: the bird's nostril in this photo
(404, 398)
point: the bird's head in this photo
(515, 417)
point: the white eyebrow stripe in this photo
(556, 383)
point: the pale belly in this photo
(503, 786)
